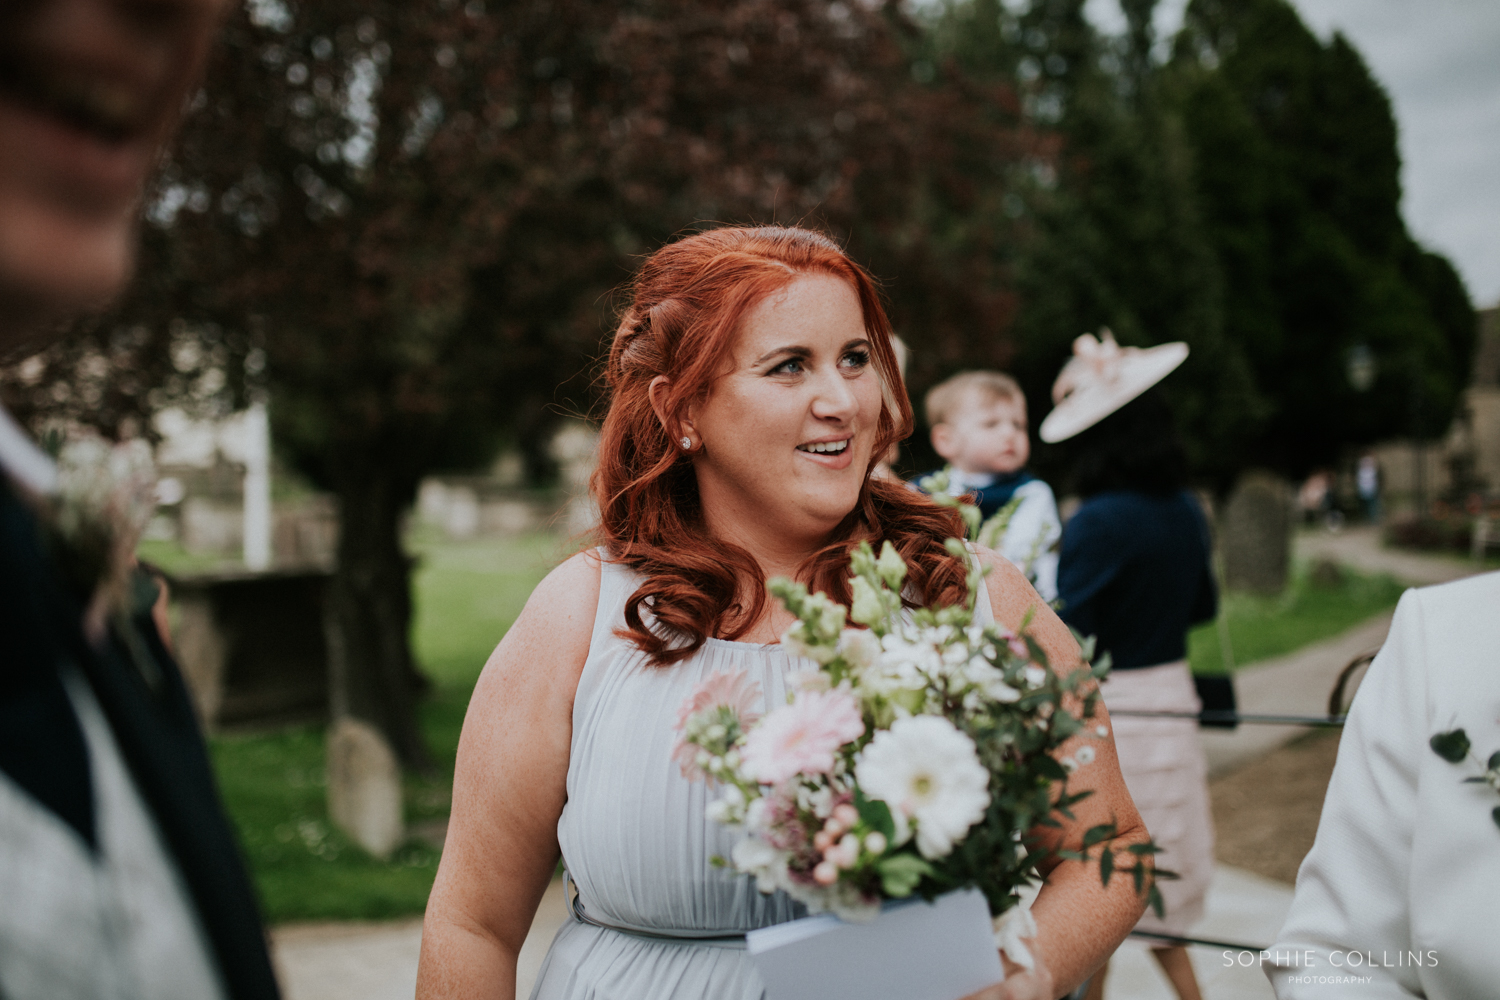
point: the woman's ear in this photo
(679, 429)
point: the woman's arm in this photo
(508, 792)
(1079, 921)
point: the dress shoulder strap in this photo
(616, 583)
(984, 611)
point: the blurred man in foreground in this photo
(119, 876)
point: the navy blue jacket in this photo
(1134, 572)
(138, 686)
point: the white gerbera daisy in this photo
(929, 772)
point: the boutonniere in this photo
(106, 493)
(1454, 747)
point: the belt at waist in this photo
(721, 939)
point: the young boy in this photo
(978, 422)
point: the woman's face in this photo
(784, 438)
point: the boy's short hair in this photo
(946, 398)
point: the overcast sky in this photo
(1440, 62)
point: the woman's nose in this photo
(834, 397)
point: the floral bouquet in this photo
(912, 761)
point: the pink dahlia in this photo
(736, 692)
(802, 738)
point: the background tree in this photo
(1298, 179)
(403, 220)
(1109, 232)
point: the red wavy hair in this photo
(687, 304)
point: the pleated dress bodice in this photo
(633, 833)
(634, 837)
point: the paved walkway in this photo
(364, 961)
(1300, 682)
(378, 961)
(1360, 548)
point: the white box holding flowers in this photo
(909, 764)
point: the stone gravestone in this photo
(1255, 534)
(364, 786)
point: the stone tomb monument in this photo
(252, 644)
(253, 648)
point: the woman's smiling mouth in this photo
(826, 447)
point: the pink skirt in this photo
(1167, 775)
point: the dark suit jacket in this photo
(142, 694)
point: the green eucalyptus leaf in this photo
(1097, 834)
(1106, 865)
(875, 814)
(1452, 746)
(900, 873)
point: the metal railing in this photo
(1337, 713)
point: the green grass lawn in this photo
(1264, 627)
(466, 595)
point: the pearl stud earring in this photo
(687, 444)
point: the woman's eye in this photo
(791, 366)
(856, 359)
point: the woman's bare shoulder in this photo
(1012, 596)
(1014, 600)
(552, 632)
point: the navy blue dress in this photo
(1135, 573)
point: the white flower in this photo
(867, 607)
(755, 857)
(1085, 755)
(890, 566)
(798, 643)
(818, 801)
(989, 679)
(928, 771)
(808, 680)
(1035, 676)
(860, 648)
(1069, 764)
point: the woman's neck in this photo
(775, 555)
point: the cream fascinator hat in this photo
(1100, 378)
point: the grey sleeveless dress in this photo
(633, 835)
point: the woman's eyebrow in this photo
(792, 351)
(795, 352)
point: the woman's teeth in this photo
(825, 447)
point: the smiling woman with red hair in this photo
(753, 387)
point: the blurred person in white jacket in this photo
(1400, 895)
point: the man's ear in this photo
(944, 441)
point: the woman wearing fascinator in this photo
(753, 389)
(1135, 572)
